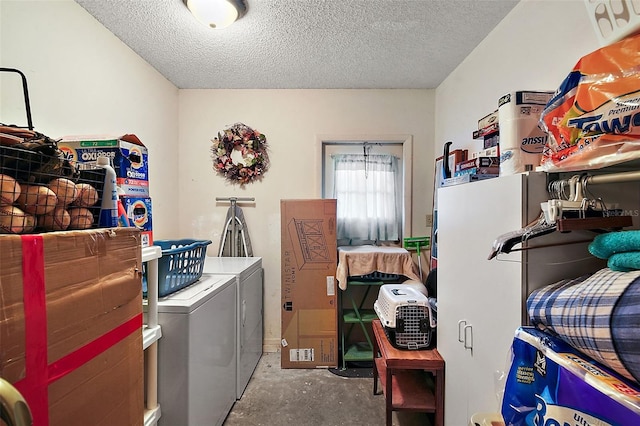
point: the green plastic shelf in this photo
(359, 352)
(350, 316)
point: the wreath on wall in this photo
(251, 144)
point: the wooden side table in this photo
(403, 380)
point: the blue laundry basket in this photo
(181, 264)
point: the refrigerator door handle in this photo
(460, 323)
(470, 334)
(244, 312)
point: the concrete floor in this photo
(314, 397)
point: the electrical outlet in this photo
(429, 221)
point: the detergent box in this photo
(129, 158)
(138, 211)
(551, 383)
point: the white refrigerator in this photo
(197, 352)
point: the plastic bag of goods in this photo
(551, 383)
(593, 120)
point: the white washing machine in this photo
(249, 276)
(197, 352)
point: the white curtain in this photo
(369, 195)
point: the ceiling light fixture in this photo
(217, 14)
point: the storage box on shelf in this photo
(130, 161)
(128, 154)
(140, 215)
(71, 314)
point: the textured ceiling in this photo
(305, 44)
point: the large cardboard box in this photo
(309, 300)
(70, 325)
(129, 157)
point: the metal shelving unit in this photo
(360, 313)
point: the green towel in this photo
(624, 262)
(604, 245)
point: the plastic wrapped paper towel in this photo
(521, 140)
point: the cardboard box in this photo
(128, 155)
(478, 162)
(491, 140)
(494, 151)
(70, 325)
(309, 300)
(138, 211)
(466, 178)
(486, 131)
(488, 120)
(478, 171)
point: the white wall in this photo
(84, 80)
(533, 48)
(291, 120)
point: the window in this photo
(397, 146)
(368, 190)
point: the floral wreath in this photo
(253, 147)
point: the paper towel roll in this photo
(521, 140)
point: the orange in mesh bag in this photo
(593, 119)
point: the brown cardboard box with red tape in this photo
(70, 325)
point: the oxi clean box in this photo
(138, 211)
(128, 156)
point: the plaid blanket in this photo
(597, 314)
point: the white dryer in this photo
(249, 277)
(197, 352)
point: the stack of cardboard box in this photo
(130, 160)
(70, 325)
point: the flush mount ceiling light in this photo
(217, 14)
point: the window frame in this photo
(322, 141)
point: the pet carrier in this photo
(406, 316)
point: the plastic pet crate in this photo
(181, 264)
(406, 316)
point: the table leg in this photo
(389, 397)
(375, 367)
(439, 415)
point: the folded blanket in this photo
(604, 245)
(597, 314)
(624, 262)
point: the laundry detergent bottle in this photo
(109, 206)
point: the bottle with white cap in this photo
(109, 206)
